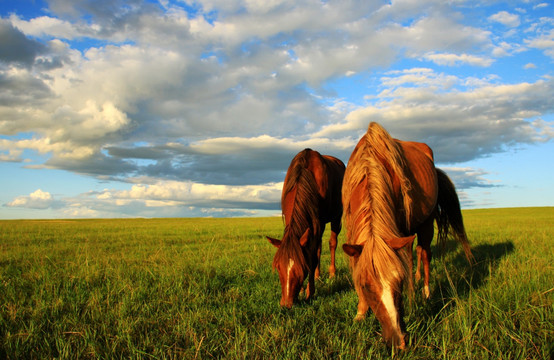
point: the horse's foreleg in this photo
(363, 305)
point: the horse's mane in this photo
(371, 168)
(299, 183)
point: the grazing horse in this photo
(311, 198)
(391, 192)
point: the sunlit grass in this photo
(204, 288)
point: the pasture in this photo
(204, 288)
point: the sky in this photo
(167, 108)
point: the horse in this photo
(310, 199)
(391, 193)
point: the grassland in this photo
(204, 288)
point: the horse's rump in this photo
(421, 173)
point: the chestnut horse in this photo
(311, 198)
(391, 192)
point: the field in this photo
(204, 288)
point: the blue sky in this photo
(195, 108)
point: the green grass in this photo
(204, 288)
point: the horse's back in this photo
(423, 177)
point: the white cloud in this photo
(186, 198)
(541, 6)
(9, 155)
(79, 211)
(544, 42)
(220, 146)
(161, 197)
(192, 193)
(530, 66)
(46, 26)
(467, 177)
(420, 77)
(177, 76)
(506, 18)
(455, 59)
(65, 149)
(36, 200)
(100, 121)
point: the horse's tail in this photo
(449, 214)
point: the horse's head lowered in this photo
(291, 266)
(382, 294)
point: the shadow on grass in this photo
(461, 273)
(327, 288)
(456, 277)
(341, 283)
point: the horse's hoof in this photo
(426, 292)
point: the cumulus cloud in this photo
(45, 26)
(198, 78)
(541, 6)
(479, 120)
(530, 66)
(172, 193)
(467, 178)
(506, 18)
(36, 200)
(184, 198)
(454, 59)
(544, 42)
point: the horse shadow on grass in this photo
(456, 277)
(327, 288)
(460, 277)
(341, 283)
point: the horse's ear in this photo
(352, 250)
(399, 243)
(274, 242)
(304, 238)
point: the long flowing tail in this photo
(449, 215)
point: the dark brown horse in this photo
(311, 198)
(391, 192)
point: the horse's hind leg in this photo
(423, 249)
(335, 230)
(310, 290)
(418, 252)
(318, 262)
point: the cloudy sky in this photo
(114, 108)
